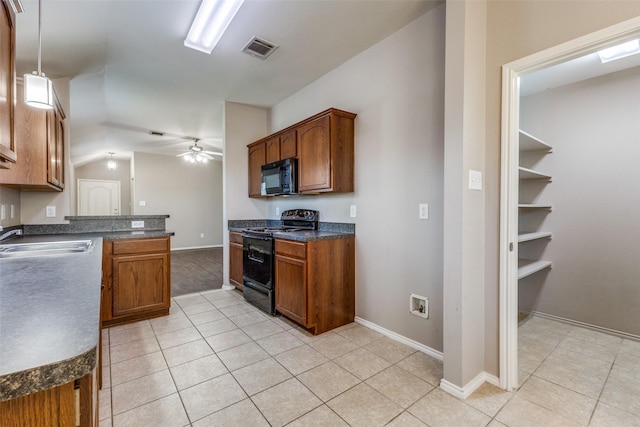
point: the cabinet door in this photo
(314, 155)
(139, 283)
(288, 145)
(272, 146)
(54, 149)
(257, 158)
(7, 86)
(291, 288)
(235, 260)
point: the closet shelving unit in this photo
(530, 144)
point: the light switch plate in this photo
(352, 211)
(143, 203)
(50, 212)
(475, 180)
(3, 212)
(423, 211)
(137, 224)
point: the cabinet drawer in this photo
(235, 237)
(288, 247)
(136, 246)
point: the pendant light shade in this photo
(38, 88)
(38, 91)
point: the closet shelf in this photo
(533, 206)
(525, 173)
(529, 142)
(527, 237)
(527, 267)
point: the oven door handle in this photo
(257, 237)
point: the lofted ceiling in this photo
(130, 73)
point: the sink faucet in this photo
(15, 232)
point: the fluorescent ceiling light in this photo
(211, 21)
(620, 51)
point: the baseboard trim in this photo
(196, 247)
(596, 328)
(400, 338)
(468, 389)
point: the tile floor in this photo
(217, 361)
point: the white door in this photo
(98, 197)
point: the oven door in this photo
(257, 260)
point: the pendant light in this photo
(111, 164)
(38, 88)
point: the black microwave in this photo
(280, 177)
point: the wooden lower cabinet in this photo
(315, 282)
(235, 260)
(137, 279)
(71, 404)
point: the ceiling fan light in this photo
(210, 23)
(38, 91)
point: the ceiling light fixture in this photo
(619, 51)
(38, 88)
(211, 21)
(111, 164)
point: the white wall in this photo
(242, 125)
(593, 128)
(397, 89)
(190, 194)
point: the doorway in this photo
(511, 74)
(98, 197)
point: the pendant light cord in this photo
(39, 37)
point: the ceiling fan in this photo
(196, 154)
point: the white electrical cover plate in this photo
(137, 224)
(423, 211)
(475, 180)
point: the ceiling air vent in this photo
(259, 47)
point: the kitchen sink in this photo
(45, 248)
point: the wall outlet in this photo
(50, 212)
(352, 211)
(3, 212)
(13, 211)
(419, 306)
(423, 211)
(143, 203)
(137, 224)
(277, 210)
(202, 235)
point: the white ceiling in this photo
(130, 72)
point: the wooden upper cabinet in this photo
(324, 147)
(257, 157)
(314, 159)
(288, 145)
(8, 153)
(39, 137)
(326, 153)
(272, 146)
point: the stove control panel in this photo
(300, 215)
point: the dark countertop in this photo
(49, 317)
(105, 235)
(326, 230)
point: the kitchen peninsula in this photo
(50, 310)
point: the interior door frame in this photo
(511, 73)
